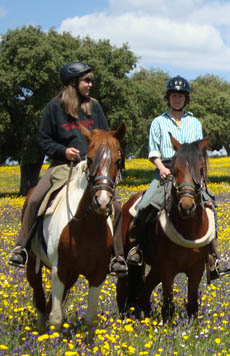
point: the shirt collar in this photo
(168, 115)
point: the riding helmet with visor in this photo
(178, 84)
(73, 70)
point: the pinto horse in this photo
(79, 234)
(178, 240)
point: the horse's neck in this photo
(193, 227)
(84, 203)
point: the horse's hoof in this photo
(41, 323)
(56, 322)
(90, 323)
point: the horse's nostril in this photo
(187, 209)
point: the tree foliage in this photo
(30, 60)
(149, 92)
(211, 104)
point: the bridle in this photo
(179, 191)
(96, 183)
(187, 189)
(107, 183)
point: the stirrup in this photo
(219, 271)
(138, 251)
(123, 262)
(19, 249)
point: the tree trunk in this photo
(227, 148)
(29, 176)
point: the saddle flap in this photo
(134, 208)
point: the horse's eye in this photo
(89, 161)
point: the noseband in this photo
(109, 185)
(183, 191)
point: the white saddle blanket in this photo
(178, 239)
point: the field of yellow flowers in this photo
(209, 335)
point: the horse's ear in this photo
(119, 133)
(85, 132)
(204, 144)
(175, 143)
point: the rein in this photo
(67, 196)
(72, 163)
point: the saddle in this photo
(57, 192)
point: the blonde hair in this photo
(70, 99)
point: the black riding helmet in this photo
(178, 84)
(73, 70)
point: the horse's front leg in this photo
(152, 280)
(93, 298)
(167, 309)
(194, 279)
(122, 293)
(58, 287)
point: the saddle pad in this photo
(178, 239)
(134, 208)
(57, 184)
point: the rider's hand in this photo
(71, 153)
(164, 172)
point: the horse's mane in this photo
(192, 154)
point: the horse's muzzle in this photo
(102, 202)
(186, 207)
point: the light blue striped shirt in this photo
(159, 140)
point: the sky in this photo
(185, 37)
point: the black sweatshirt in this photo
(59, 130)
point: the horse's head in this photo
(103, 162)
(189, 169)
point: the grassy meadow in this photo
(209, 335)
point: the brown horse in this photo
(178, 241)
(79, 234)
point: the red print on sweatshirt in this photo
(74, 125)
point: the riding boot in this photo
(137, 234)
(217, 266)
(118, 266)
(19, 255)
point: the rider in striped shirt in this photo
(186, 129)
